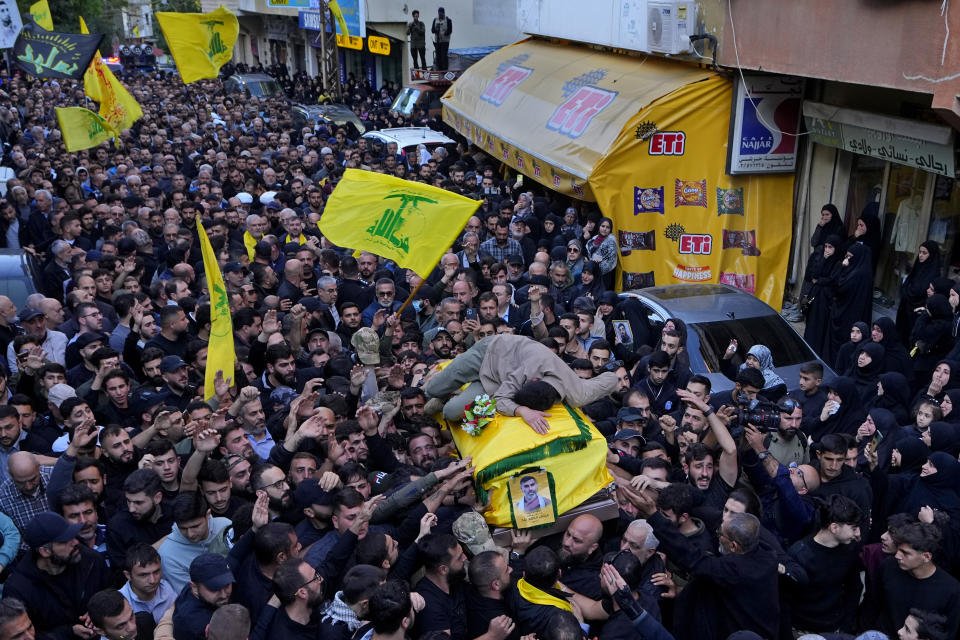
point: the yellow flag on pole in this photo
(117, 106)
(334, 7)
(82, 128)
(200, 43)
(407, 222)
(40, 12)
(136, 30)
(220, 353)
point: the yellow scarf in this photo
(249, 242)
(534, 595)
(301, 240)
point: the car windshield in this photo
(785, 345)
(406, 100)
(264, 88)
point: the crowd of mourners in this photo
(316, 496)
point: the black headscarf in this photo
(866, 377)
(896, 396)
(834, 227)
(896, 357)
(854, 295)
(945, 436)
(850, 415)
(938, 490)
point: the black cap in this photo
(230, 267)
(212, 571)
(171, 363)
(48, 527)
(86, 339)
(309, 492)
(514, 259)
(630, 414)
(626, 434)
(543, 281)
(29, 313)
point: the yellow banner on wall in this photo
(679, 218)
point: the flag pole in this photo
(413, 293)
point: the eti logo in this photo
(504, 84)
(574, 116)
(667, 143)
(696, 243)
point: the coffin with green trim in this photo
(573, 453)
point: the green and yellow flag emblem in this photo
(220, 353)
(40, 12)
(82, 128)
(200, 43)
(407, 222)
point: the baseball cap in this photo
(627, 434)
(230, 267)
(93, 256)
(171, 363)
(543, 281)
(311, 304)
(49, 527)
(438, 332)
(274, 205)
(309, 493)
(366, 341)
(514, 259)
(212, 571)
(630, 414)
(60, 392)
(29, 313)
(472, 530)
(89, 337)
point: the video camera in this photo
(763, 415)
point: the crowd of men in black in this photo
(314, 496)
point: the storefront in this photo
(645, 139)
(898, 168)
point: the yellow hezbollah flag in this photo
(136, 30)
(117, 106)
(40, 12)
(82, 128)
(407, 222)
(220, 353)
(201, 43)
(334, 7)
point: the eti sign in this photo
(696, 243)
(667, 143)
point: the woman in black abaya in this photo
(884, 332)
(819, 284)
(830, 224)
(869, 232)
(931, 340)
(913, 291)
(854, 295)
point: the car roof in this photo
(253, 77)
(409, 136)
(703, 302)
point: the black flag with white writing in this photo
(50, 54)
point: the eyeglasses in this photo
(794, 466)
(95, 314)
(573, 250)
(279, 484)
(316, 576)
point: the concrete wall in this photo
(892, 44)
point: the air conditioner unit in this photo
(670, 23)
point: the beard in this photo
(568, 559)
(456, 577)
(145, 517)
(280, 504)
(64, 561)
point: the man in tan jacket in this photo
(523, 376)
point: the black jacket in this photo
(728, 593)
(55, 603)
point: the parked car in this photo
(253, 85)
(407, 139)
(714, 314)
(328, 114)
(19, 275)
(419, 95)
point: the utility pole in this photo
(330, 57)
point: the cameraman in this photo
(782, 490)
(787, 443)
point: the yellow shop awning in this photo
(551, 111)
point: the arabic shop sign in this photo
(914, 144)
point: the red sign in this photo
(574, 116)
(501, 87)
(667, 143)
(696, 243)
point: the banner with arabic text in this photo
(51, 54)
